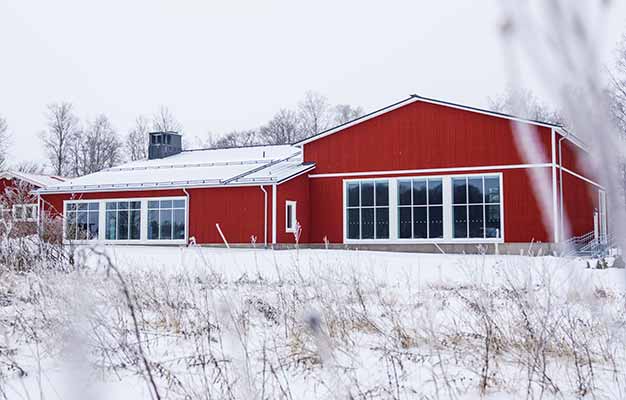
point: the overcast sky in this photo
(232, 64)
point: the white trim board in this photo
(431, 170)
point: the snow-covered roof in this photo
(38, 180)
(191, 168)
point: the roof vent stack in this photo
(164, 144)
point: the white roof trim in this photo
(17, 175)
(415, 98)
(204, 183)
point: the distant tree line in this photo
(312, 115)
(76, 147)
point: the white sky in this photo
(232, 64)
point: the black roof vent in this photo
(164, 144)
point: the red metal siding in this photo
(238, 210)
(421, 135)
(296, 189)
(520, 208)
(580, 201)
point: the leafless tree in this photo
(58, 139)
(346, 113)
(314, 113)
(96, 148)
(137, 140)
(29, 167)
(530, 106)
(248, 137)
(618, 89)
(164, 121)
(4, 139)
(283, 128)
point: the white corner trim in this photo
(555, 207)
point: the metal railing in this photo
(588, 245)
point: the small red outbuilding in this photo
(416, 175)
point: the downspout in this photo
(264, 215)
(561, 185)
(273, 215)
(39, 211)
(187, 216)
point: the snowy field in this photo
(199, 323)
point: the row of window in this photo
(21, 212)
(123, 220)
(475, 202)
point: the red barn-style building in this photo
(18, 200)
(418, 175)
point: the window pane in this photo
(153, 224)
(492, 189)
(419, 192)
(179, 203)
(28, 212)
(153, 204)
(353, 194)
(476, 221)
(382, 223)
(435, 189)
(404, 193)
(289, 215)
(367, 193)
(122, 224)
(111, 206)
(135, 205)
(459, 195)
(460, 221)
(435, 223)
(94, 206)
(166, 203)
(81, 224)
(404, 222)
(475, 190)
(122, 205)
(165, 224)
(82, 206)
(493, 221)
(70, 225)
(111, 218)
(419, 223)
(367, 223)
(94, 225)
(71, 206)
(353, 223)
(382, 193)
(179, 224)
(135, 224)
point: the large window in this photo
(82, 220)
(420, 208)
(476, 207)
(367, 209)
(123, 220)
(166, 219)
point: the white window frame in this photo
(293, 204)
(390, 204)
(106, 211)
(143, 218)
(156, 241)
(22, 214)
(448, 223)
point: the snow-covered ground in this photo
(310, 324)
